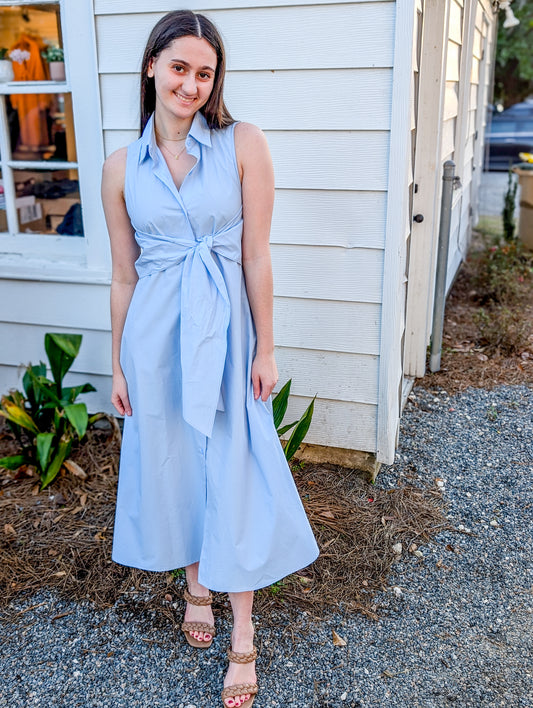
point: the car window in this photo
(503, 126)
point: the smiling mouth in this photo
(185, 99)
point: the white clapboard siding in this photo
(256, 97)
(117, 7)
(478, 43)
(454, 254)
(456, 22)
(22, 344)
(99, 400)
(328, 325)
(453, 61)
(333, 375)
(329, 218)
(337, 423)
(475, 71)
(448, 138)
(450, 100)
(81, 305)
(326, 273)
(269, 38)
(313, 159)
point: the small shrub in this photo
(44, 417)
(502, 329)
(503, 271)
(279, 408)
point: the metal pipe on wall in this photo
(448, 178)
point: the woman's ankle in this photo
(243, 631)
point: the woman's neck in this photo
(171, 129)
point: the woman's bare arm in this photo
(257, 177)
(124, 253)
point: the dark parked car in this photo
(509, 133)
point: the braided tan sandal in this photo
(241, 689)
(198, 626)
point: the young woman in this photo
(203, 481)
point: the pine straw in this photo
(61, 538)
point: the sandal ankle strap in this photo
(242, 657)
(196, 600)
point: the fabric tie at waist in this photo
(205, 313)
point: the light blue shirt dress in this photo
(202, 473)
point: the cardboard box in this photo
(30, 215)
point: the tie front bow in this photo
(204, 313)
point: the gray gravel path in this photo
(456, 625)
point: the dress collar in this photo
(199, 131)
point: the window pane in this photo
(48, 202)
(41, 126)
(26, 31)
(3, 217)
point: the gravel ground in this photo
(456, 626)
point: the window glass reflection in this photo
(41, 127)
(48, 202)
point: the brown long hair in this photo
(184, 23)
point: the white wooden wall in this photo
(469, 54)
(455, 77)
(32, 308)
(317, 78)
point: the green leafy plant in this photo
(301, 426)
(509, 207)
(45, 417)
(3, 53)
(514, 68)
(52, 53)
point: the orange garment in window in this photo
(31, 107)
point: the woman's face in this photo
(184, 74)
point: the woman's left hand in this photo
(264, 375)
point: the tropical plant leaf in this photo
(78, 417)
(61, 349)
(279, 403)
(45, 388)
(300, 431)
(63, 450)
(286, 428)
(18, 415)
(70, 393)
(43, 444)
(13, 462)
(28, 382)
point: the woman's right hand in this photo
(119, 394)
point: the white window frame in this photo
(65, 258)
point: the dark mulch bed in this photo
(61, 537)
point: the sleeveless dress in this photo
(202, 476)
